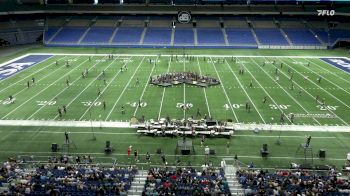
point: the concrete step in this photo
(135, 194)
(139, 178)
(238, 193)
(136, 190)
(136, 185)
(236, 190)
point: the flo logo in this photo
(325, 12)
(184, 17)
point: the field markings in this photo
(28, 76)
(296, 101)
(126, 86)
(105, 88)
(30, 98)
(204, 89)
(322, 88)
(227, 97)
(161, 102)
(325, 78)
(312, 95)
(19, 58)
(239, 82)
(146, 84)
(134, 133)
(37, 82)
(184, 84)
(264, 90)
(328, 71)
(86, 87)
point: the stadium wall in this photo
(147, 46)
(308, 47)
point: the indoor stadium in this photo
(174, 97)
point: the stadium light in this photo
(95, 2)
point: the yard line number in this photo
(184, 105)
(327, 107)
(272, 106)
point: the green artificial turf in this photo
(221, 102)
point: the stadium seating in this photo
(185, 182)
(157, 31)
(333, 35)
(184, 36)
(270, 36)
(301, 37)
(98, 35)
(69, 35)
(128, 35)
(50, 32)
(157, 36)
(290, 183)
(210, 36)
(240, 36)
(21, 31)
(62, 179)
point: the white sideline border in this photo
(116, 124)
(168, 55)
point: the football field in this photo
(315, 92)
(313, 88)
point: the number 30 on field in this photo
(327, 107)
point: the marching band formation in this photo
(191, 78)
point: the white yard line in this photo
(296, 101)
(227, 97)
(239, 82)
(126, 86)
(338, 76)
(146, 84)
(28, 76)
(37, 82)
(264, 90)
(325, 78)
(322, 88)
(89, 108)
(30, 98)
(184, 84)
(161, 103)
(204, 89)
(313, 96)
(68, 87)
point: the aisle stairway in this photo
(138, 183)
(230, 174)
